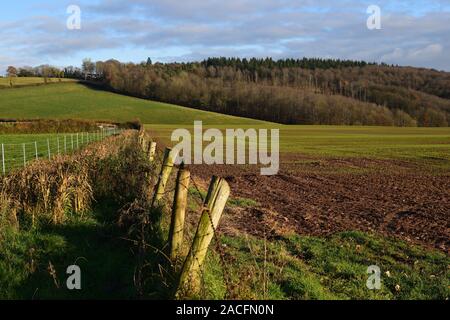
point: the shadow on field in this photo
(106, 261)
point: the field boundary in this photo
(14, 156)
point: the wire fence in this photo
(14, 156)
(197, 195)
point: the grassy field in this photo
(423, 146)
(426, 145)
(289, 267)
(31, 81)
(76, 101)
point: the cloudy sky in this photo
(413, 32)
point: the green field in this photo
(288, 267)
(76, 101)
(62, 101)
(19, 82)
(425, 146)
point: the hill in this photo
(292, 92)
(77, 101)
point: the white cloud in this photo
(282, 28)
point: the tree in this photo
(149, 61)
(11, 71)
(26, 72)
(88, 67)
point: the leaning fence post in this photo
(166, 169)
(176, 230)
(48, 148)
(3, 158)
(215, 202)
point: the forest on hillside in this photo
(289, 91)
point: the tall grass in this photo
(51, 190)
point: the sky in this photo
(34, 32)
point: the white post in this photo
(48, 147)
(35, 149)
(65, 144)
(71, 138)
(78, 146)
(82, 138)
(57, 139)
(3, 158)
(24, 156)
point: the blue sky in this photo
(414, 33)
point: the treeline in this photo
(291, 91)
(304, 63)
(367, 95)
(44, 71)
(234, 94)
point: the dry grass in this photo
(69, 184)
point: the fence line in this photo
(189, 279)
(18, 155)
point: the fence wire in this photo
(14, 156)
(193, 217)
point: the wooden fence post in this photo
(166, 169)
(141, 138)
(215, 202)
(151, 151)
(176, 230)
(144, 144)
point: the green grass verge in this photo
(92, 242)
(299, 267)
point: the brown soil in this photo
(321, 197)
